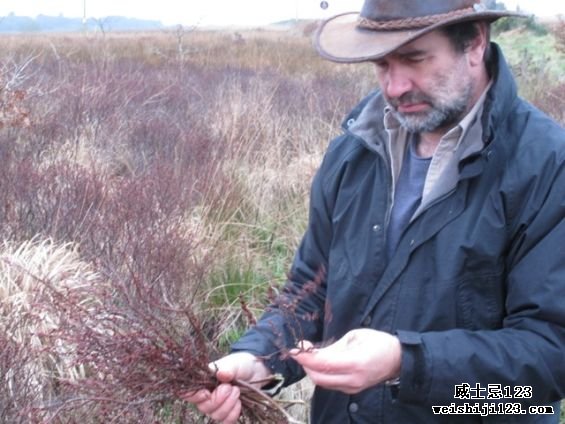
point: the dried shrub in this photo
(165, 170)
(30, 365)
(552, 102)
(538, 85)
(13, 111)
(136, 345)
(59, 200)
(558, 31)
(18, 386)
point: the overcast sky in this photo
(220, 12)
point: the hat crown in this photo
(386, 10)
(383, 26)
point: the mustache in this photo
(409, 98)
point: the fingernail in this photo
(305, 345)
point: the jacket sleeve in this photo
(529, 349)
(298, 312)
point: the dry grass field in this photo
(153, 189)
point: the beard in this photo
(451, 100)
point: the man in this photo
(438, 220)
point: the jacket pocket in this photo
(480, 301)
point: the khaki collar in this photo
(460, 142)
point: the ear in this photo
(476, 49)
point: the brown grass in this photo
(149, 182)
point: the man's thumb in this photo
(222, 375)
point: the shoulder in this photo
(538, 138)
(362, 132)
(532, 146)
(515, 126)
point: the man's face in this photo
(427, 83)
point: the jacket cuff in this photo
(415, 373)
(262, 349)
(260, 342)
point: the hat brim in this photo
(340, 39)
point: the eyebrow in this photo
(411, 52)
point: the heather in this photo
(153, 189)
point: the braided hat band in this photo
(382, 26)
(411, 23)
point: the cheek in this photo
(381, 76)
(446, 81)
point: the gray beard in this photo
(432, 120)
(440, 115)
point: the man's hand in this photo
(360, 359)
(223, 404)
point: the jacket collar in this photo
(501, 96)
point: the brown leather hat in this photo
(384, 25)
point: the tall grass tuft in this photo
(32, 365)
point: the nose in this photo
(397, 82)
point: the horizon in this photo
(220, 12)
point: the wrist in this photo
(260, 371)
(393, 376)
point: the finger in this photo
(196, 397)
(325, 361)
(216, 400)
(345, 383)
(225, 376)
(222, 374)
(234, 414)
(305, 345)
(306, 359)
(228, 406)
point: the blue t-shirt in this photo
(408, 194)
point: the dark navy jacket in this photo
(475, 291)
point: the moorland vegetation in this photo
(153, 189)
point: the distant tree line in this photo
(43, 23)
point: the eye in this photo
(381, 64)
(414, 59)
